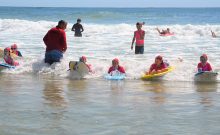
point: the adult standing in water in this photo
(139, 37)
(78, 28)
(55, 41)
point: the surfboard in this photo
(14, 56)
(168, 34)
(206, 76)
(157, 75)
(78, 68)
(5, 66)
(115, 77)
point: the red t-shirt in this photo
(156, 68)
(55, 39)
(120, 69)
(206, 67)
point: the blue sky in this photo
(111, 3)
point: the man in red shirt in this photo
(55, 41)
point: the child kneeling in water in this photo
(84, 60)
(116, 67)
(73, 65)
(158, 66)
(8, 59)
(204, 65)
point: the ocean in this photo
(36, 98)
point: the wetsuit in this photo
(78, 28)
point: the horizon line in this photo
(101, 7)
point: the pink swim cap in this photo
(115, 60)
(14, 46)
(7, 49)
(83, 58)
(159, 57)
(205, 56)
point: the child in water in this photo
(163, 32)
(84, 60)
(139, 38)
(116, 67)
(213, 34)
(204, 65)
(14, 49)
(8, 59)
(158, 66)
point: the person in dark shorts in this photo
(78, 28)
(139, 37)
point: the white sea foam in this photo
(102, 43)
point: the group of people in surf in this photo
(158, 66)
(139, 35)
(56, 45)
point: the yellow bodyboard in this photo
(151, 76)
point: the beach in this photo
(36, 98)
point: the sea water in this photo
(36, 98)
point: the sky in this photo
(111, 3)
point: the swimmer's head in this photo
(204, 58)
(78, 20)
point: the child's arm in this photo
(210, 67)
(132, 42)
(150, 70)
(199, 68)
(162, 70)
(89, 67)
(109, 70)
(122, 70)
(82, 29)
(158, 30)
(73, 28)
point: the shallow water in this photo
(51, 105)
